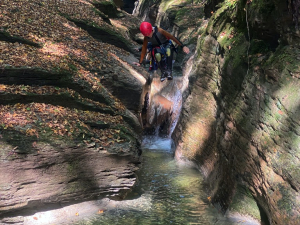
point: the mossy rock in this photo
(258, 46)
(244, 203)
(22, 144)
(4, 36)
(285, 57)
(218, 20)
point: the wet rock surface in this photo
(161, 104)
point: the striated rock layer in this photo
(240, 120)
(68, 131)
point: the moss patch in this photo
(244, 203)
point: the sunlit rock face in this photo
(241, 120)
(65, 135)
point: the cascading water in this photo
(177, 99)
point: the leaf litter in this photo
(63, 47)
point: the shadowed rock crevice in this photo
(108, 8)
(13, 39)
(36, 76)
(120, 89)
(64, 100)
(105, 36)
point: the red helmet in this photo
(146, 28)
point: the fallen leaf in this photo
(34, 144)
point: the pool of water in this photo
(166, 193)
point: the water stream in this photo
(166, 193)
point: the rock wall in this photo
(240, 120)
(69, 128)
(147, 10)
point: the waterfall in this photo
(177, 99)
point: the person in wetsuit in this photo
(162, 46)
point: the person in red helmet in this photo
(161, 45)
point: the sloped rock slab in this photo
(56, 175)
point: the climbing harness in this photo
(161, 57)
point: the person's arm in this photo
(170, 36)
(144, 49)
(143, 53)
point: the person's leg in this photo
(169, 54)
(158, 58)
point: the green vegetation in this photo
(72, 67)
(244, 203)
(73, 168)
(262, 7)
(283, 58)
(258, 46)
(285, 203)
(231, 3)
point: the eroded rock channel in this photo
(73, 110)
